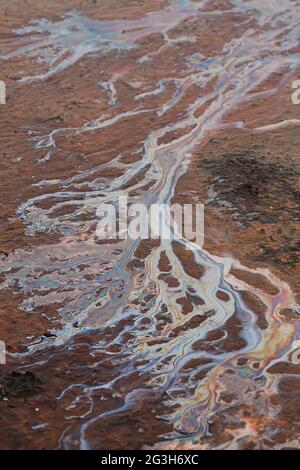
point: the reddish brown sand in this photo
(249, 182)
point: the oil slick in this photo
(180, 350)
(296, 94)
(67, 41)
(2, 92)
(2, 352)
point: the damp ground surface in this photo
(149, 343)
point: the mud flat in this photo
(149, 343)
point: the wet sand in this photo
(134, 345)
